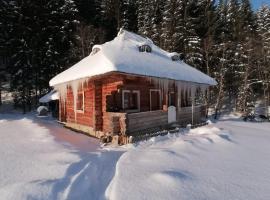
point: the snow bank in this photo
(208, 163)
(30, 159)
(42, 160)
(122, 55)
(224, 160)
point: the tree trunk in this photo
(220, 95)
(221, 84)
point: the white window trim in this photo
(80, 111)
(160, 98)
(138, 100)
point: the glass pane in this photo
(126, 100)
(80, 101)
(134, 101)
(171, 99)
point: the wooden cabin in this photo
(129, 86)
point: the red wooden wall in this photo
(101, 94)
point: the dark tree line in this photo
(225, 39)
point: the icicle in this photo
(75, 86)
(193, 89)
(179, 95)
(203, 89)
(62, 91)
(184, 93)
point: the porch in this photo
(132, 124)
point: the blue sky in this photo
(257, 3)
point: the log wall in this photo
(97, 96)
(114, 123)
(106, 92)
(85, 117)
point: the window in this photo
(155, 99)
(145, 48)
(80, 101)
(172, 99)
(95, 50)
(131, 100)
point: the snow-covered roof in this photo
(122, 55)
(52, 95)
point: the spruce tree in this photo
(128, 15)
(39, 41)
(193, 48)
(173, 26)
(141, 4)
(246, 52)
(157, 21)
(263, 51)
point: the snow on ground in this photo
(229, 159)
(42, 160)
(229, 162)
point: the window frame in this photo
(145, 48)
(79, 110)
(160, 98)
(138, 100)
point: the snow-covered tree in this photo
(141, 12)
(156, 22)
(173, 25)
(246, 51)
(145, 14)
(39, 40)
(193, 48)
(263, 50)
(128, 15)
(3, 50)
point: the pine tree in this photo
(233, 48)
(141, 12)
(193, 48)
(110, 18)
(128, 15)
(89, 11)
(219, 60)
(246, 59)
(173, 26)
(39, 41)
(263, 51)
(157, 21)
(167, 25)
(3, 49)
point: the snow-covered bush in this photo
(42, 110)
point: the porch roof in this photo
(52, 95)
(122, 55)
